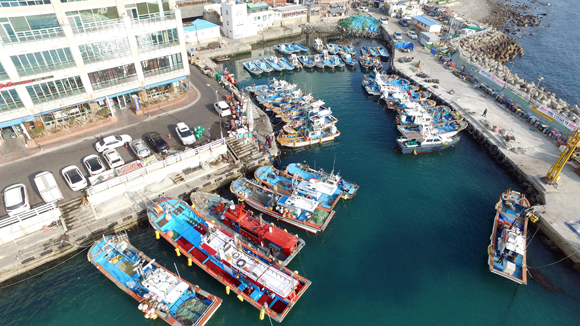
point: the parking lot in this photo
(201, 113)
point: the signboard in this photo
(492, 77)
(24, 82)
(136, 102)
(558, 117)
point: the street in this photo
(55, 159)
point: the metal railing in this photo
(162, 71)
(115, 82)
(153, 18)
(24, 3)
(99, 26)
(9, 220)
(153, 167)
(34, 35)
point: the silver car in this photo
(139, 148)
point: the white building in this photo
(201, 32)
(84, 55)
(245, 19)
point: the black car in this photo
(157, 142)
(404, 23)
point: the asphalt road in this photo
(54, 160)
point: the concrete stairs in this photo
(76, 213)
(243, 151)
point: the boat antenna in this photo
(177, 270)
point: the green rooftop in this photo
(256, 6)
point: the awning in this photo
(340, 5)
(165, 82)
(333, 5)
(9, 123)
(337, 11)
(118, 94)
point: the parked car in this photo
(94, 164)
(397, 36)
(412, 35)
(363, 9)
(184, 133)
(113, 158)
(47, 187)
(74, 178)
(111, 142)
(404, 23)
(222, 108)
(157, 142)
(16, 199)
(384, 21)
(139, 149)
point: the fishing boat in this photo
(318, 45)
(383, 53)
(287, 65)
(325, 188)
(268, 239)
(262, 65)
(293, 59)
(267, 286)
(318, 62)
(299, 47)
(376, 62)
(274, 63)
(371, 87)
(448, 129)
(309, 136)
(348, 60)
(284, 48)
(160, 293)
(331, 48)
(507, 250)
(325, 57)
(350, 50)
(365, 62)
(307, 61)
(337, 62)
(222, 59)
(373, 51)
(302, 212)
(252, 68)
(420, 143)
(340, 50)
(364, 51)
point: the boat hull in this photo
(425, 149)
(309, 142)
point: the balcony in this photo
(103, 26)
(22, 3)
(46, 34)
(114, 82)
(45, 69)
(162, 71)
(150, 19)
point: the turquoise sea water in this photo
(409, 249)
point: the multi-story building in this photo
(334, 7)
(76, 57)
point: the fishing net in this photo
(319, 216)
(191, 310)
(361, 22)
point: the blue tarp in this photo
(361, 22)
(405, 45)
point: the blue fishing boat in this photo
(284, 48)
(252, 68)
(325, 188)
(256, 88)
(348, 60)
(377, 64)
(337, 62)
(302, 212)
(318, 45)
(350, 50)
(286, 64)
(371, 87)
(507, 250)
(267, 286)
(160, 293)
(365, 62)
(364, 51)
(331, 48)
(262, 65)
(318, 62)
(373, 51)
(340, 49)
(324, 57)
(448, 129)
(299, 47)
(274, 63)
(383, 53)
(307, 61)
(309, 136)
(419, 143)
(293, 59)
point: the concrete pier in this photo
(530, 154)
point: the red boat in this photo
(268, 238)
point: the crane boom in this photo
(554, 173)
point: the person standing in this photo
(484, 113)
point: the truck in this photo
(47, 187)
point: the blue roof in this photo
(426, 21)
(200, 24)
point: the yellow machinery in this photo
(554, 173)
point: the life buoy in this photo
(308, 196)
(241, 263)
(489, 249)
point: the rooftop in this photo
(425, 20)
(259, 5)
(294, 8)
(198, 24)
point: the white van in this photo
(222, 108)
(47, 187)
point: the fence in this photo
(156, 166)
(7, 221)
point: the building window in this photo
(227, 13)
(264, 17)
(9, 101)
(90, 20)
(29, 28)
(156, 40)
(43, 62)
(227, 22)
(147, 10)
(105, 50)
(23, 3)
(56, 89)
(158, 66)
(113, 76)
(3, 74)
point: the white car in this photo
(111, 142)
(184, 133)
(412, 35)
(140, 149)
(74, 178)
(113, 158)
(384, 21)
(363, 9)
(222, 108)
(94, 164)
(16, 199)
(397, 36)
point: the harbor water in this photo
(409, 249)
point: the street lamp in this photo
(217, 100)
(537, 87)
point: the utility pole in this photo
(537, 87)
